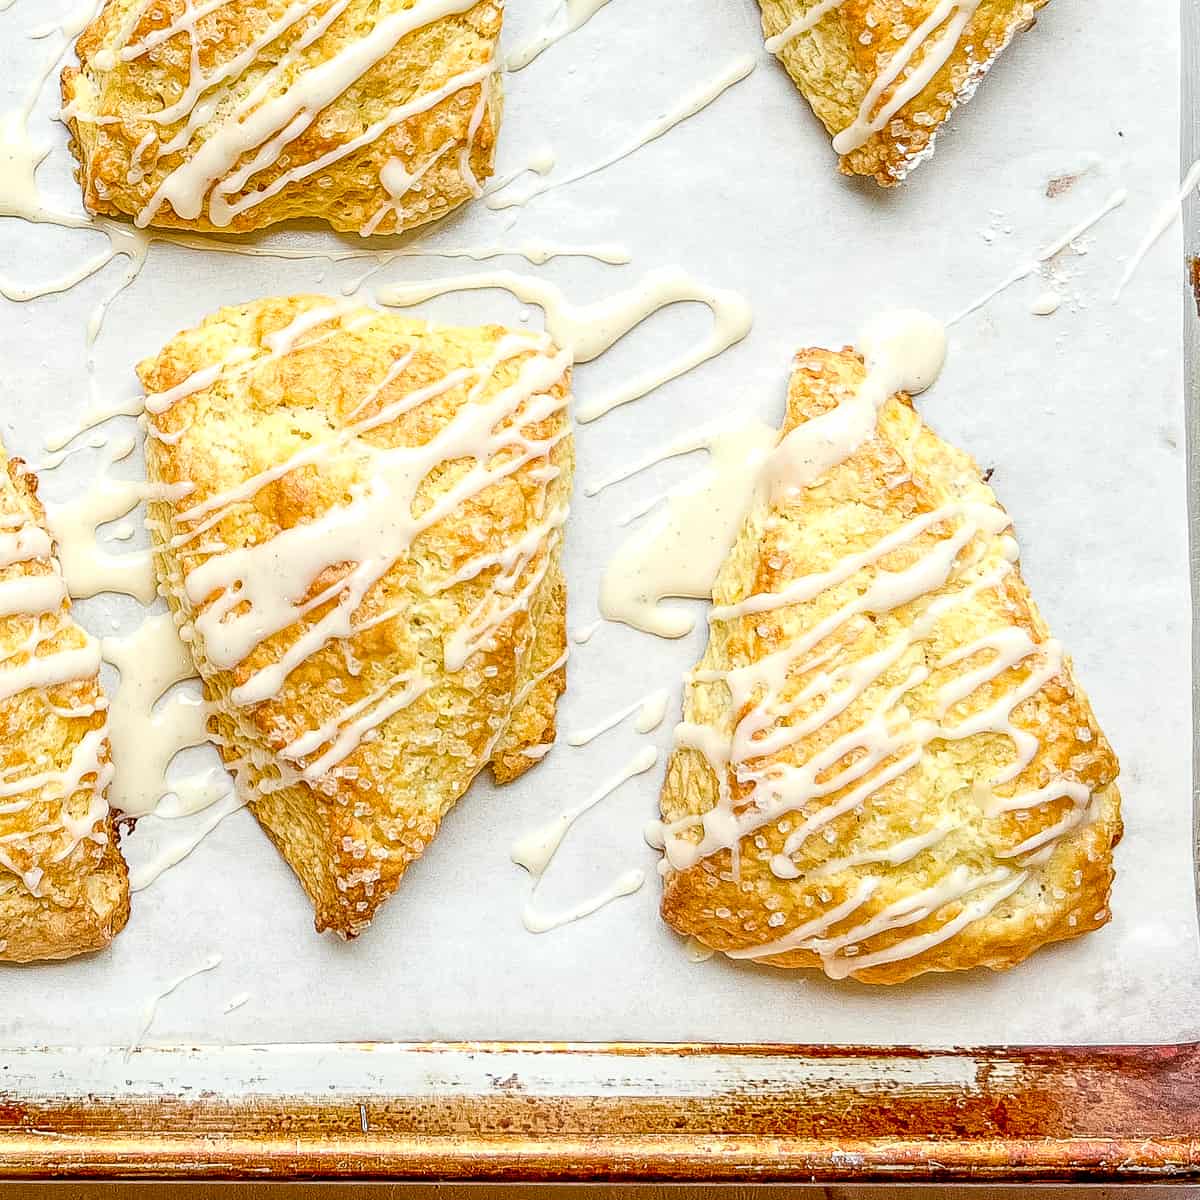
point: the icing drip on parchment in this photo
(679, 551)
(151, 722)
(587, 331)
(150, 1010)
(146, 735)
(535, 850)
(1048, 252)
(651, 710)
(1167, 216)
(903, 353)
(693, 102)
(568, 17)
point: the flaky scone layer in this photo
(372, 115)
(915, 780)
(366, 567)
(860, 58)
(64, 889)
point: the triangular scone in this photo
(883, 75)
(886, 766)
(366, 567)
(64, 889)
(373, 115)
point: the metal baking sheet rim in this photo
(621, 1111)
(530, 1112)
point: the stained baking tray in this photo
(541, 1111)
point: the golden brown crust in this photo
(533, 723)
(903, 472)
(836, 63)
(352, 829)
(79, 900)
(108, 104)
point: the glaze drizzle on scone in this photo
(63, 885)
(883, 75)
(236, 114)
(367, 570)
(885, 765)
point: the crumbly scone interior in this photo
(884, 75)
(373, 115)
(886, 765)
(366, 567)
(63, 883)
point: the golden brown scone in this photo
(366, 567)
(884, 75)
(64, 889)
(881, 728)
(373, 115)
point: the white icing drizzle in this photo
(585, 633)
(251, 592)
(147, 735)
(21, 198)
(1046, 303)
(534, 250)
(695, 101)
(90, 569)
(1048, 252)
(144, 874)
(568, 16)
(680, 551)
(235, 1002)
(1167, 217)
(650, 709)
(935, 39)
(802, 24)
(903, 352)
(150, 1011)
(540, 162)
(253, 586)
(535, 850)
(626, 884)
(841, 955)
(212, 180)
(587, 331)
(39, 597)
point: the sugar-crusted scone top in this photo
(884, 75)
(886, 765)
(63, 883)
(365, 565)
(372, 115)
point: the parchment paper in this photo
(1080, 413)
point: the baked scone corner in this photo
(884, 76)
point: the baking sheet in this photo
(1080, 414)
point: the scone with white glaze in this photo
(883, 76)
(366, 566)
(64, 889)
(373, 115)
(886, 765)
